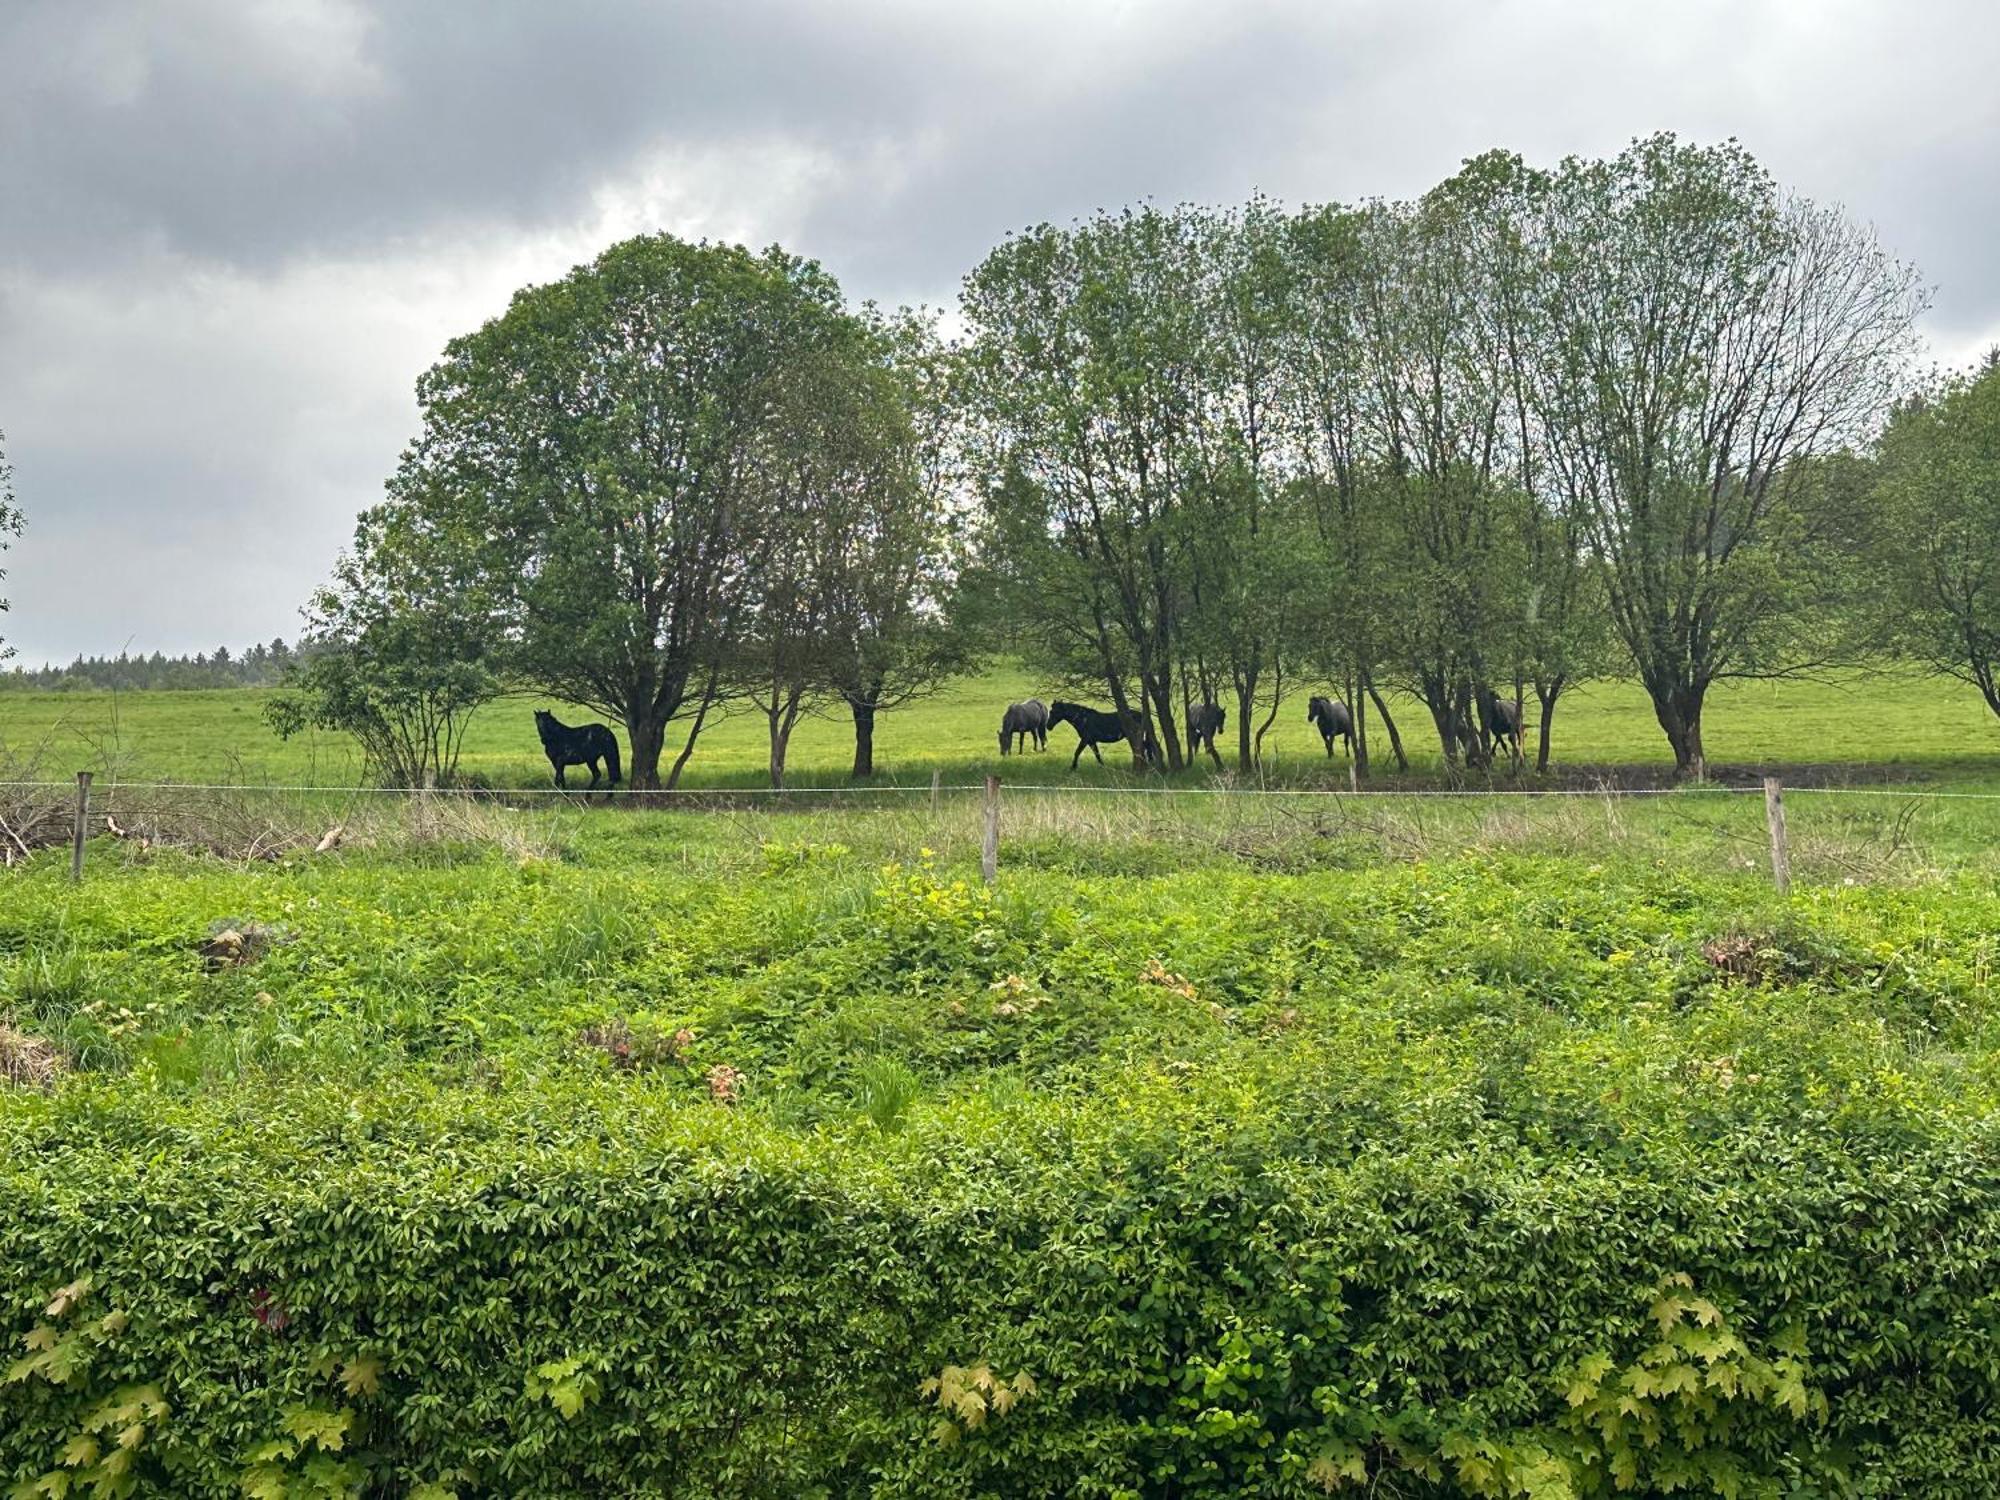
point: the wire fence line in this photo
(711, 793)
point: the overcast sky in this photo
(233, 232)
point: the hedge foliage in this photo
(1492, 1179)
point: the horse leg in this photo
(592, 763)
(559, 775)
(1079, 752)
(1097, 752)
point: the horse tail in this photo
(611, 755)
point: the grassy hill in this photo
(1903, 724)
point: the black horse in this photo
(1094, 727)
(1022, 722)
(1503, 725)
(576, 745)
(1204, 723)
(1333, 721)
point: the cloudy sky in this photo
(233, 232)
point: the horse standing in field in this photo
(1094, 727)
(1503, 724)
(576, 745)
(1331, 718)
(1022, 722)
(1204, 723)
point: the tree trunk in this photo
(1446, 718)
(1358, 707)
(1547, 697)
(1388, 723)
(864, 741)
(1160, 695)
(1277, 702)
(781, 736)
(864, 737)
(648, 734)
(1678, 709)
(1246, 708)
(694, 731)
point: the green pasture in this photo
(1897, 726)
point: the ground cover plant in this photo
(753, 1154)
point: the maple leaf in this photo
(362, 1376)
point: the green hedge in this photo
(565, 1292)
(1493, 1178)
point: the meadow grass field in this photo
(1895, 725)
(1257, 1145)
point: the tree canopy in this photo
(1536, 426)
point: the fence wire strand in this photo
(574, 794)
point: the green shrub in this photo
(1495, 1178)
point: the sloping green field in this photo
(1905, 724)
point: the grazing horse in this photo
(576, 745)
(1023, 722)
(1204, 723)
(1094, 727)
(1333, 721)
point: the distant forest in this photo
(260, 665)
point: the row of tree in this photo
(257, 665)
(1533, 427)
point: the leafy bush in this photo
(1482, 1179)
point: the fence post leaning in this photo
(1781, 853)
(76, 833)
(989, 849)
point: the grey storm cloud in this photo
(232, 232)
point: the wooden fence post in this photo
(1353, 777)
(77, 832)
(937, 782)
(1781, 854)
(989, 849)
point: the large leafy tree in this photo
(1936, 541)
(849, 536)
(892, 583)
(1083, 363)
(1708, 338)
(1243, 594)
(596, 445)
(1434, 353)
(10, 526)
(1351, 612)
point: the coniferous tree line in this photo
(262, 664)
(1612, 417)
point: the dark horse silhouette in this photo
(1094, 727)
(1204, 722)
(1333, 721)
(576, 745)
(1024, 721)
(1503, 724)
